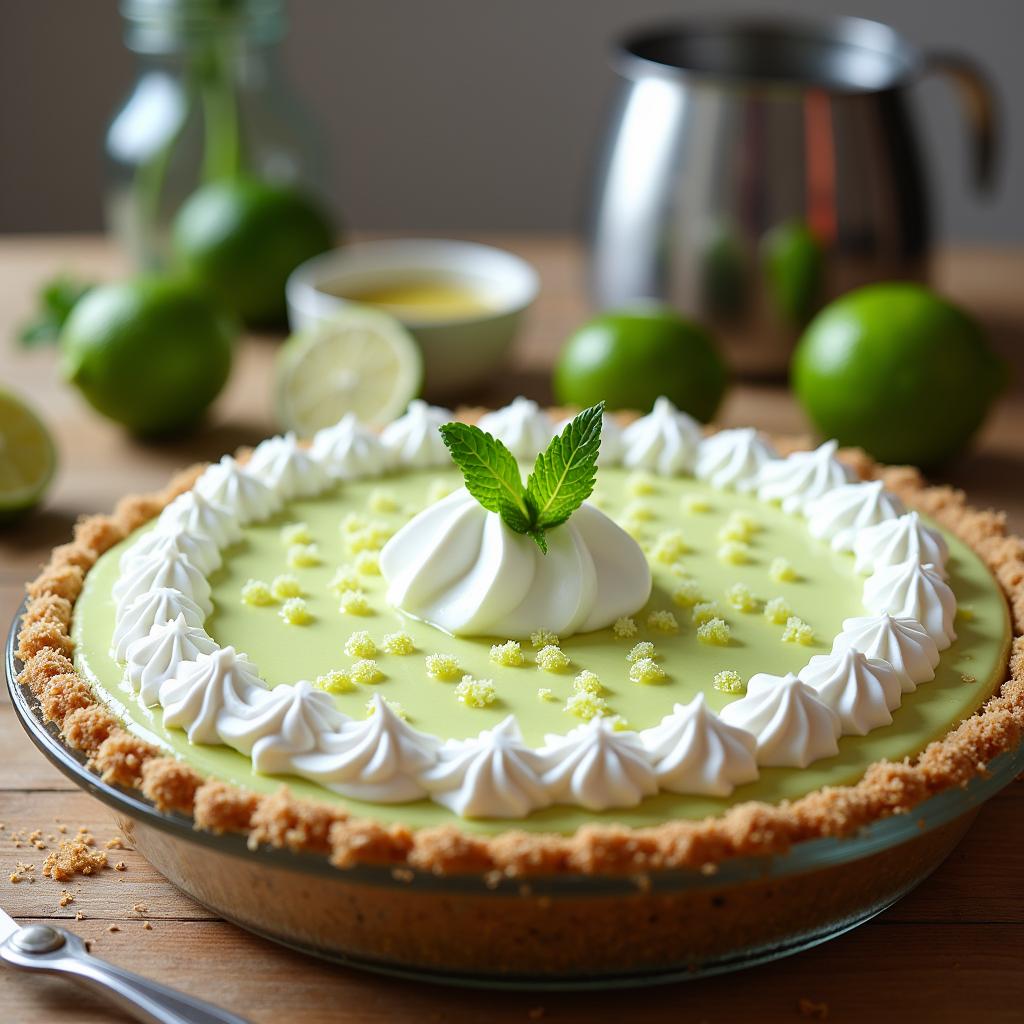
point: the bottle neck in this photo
(180, 27)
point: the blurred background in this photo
(454, 115)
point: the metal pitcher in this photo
(755, 169)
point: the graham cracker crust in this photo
(281, 820)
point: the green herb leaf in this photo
(490, 472)
(563, 475)
(56, 300)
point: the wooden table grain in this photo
(951, 951)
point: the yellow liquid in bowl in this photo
(419, 301)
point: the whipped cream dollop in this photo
(597, 767)
(903, 643)
(792, 725)
(459, 567)
(348, 450)
(910, 590)
(291, 470)
(801, 477)
(379, 758)
(694, 751)
(612, 445)
(863, 691)
(153, 659)
(228, 484)
(199, 549)
(664, 441)
(523, 427)
(135, 618)
(899, 540)
(492, 775)
(839, 515)
(201, 519)
(172, 570)
(212, 691)
(415, 438)
(733, 459)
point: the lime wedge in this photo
(28, 458)
(360, 360)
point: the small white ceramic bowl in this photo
(457, 353)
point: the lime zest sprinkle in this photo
(335, 681)
(366, 671)
(634, 527)
(705, 611)
(740, 526)
(624, 627)
(781, 570)
(734, 552)
(797, 632)
(393, 706)
(296, 612)
(742, 598)
(696, 504)
(302, 556)
(367, 563)
(644, 649)
(638, 511)
(687, 594)
(640, 483)
(286, 585)
(546, 693)
(544, 638)
(669, 547)
(371, 537)
(729, 681)
(400, 643)
(475, 693)
(715, 631)
(353, 602)
(777, 610)
(352, 523)
(646, 670)
(443, 667)
(662, 622)
(586, 706)
(295, 533)
(344, 578)
(965, 612)
(587, 682)
(360, 645)
(382, 500)
(552, 659)
(509, 654)
(257, 594)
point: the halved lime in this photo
(360, 360)
(28, 458)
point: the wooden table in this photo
(952, 950)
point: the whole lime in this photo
(899, 371)
(151, 353)
(629, 357)
(243, 237)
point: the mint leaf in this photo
(56, 300)
(563, 475)
(490, 472)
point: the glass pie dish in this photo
(577, 931)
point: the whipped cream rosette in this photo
(415, 438)
(523, 427)
(664, 441)
(801, 477)
(348, 450)
(733, 459)
(839, 515)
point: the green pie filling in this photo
(827, 592)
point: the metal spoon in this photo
(38, 947)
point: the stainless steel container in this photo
(755, 169)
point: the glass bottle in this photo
(209, 101)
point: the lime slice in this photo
(28, 458)
(360, 360)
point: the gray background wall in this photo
(456, 114)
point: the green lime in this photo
(242, 238)
(28, 458)
(360, 360)
(793, 263)
(151, 353)
(629, 357)
(897, 370)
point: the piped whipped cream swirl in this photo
(288, 468)
(899, 540)
(801, 477)
(152, 572)
(903, 643)
(414, 439)
(348, 450)
(230, 485)
(153, 659)
(523, 427)
(910, 590)
(664, 441)
(199, 549)
(863, 691)
(135, 618)
(201, 519)
(840, 515)
(733, 459)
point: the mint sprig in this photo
(562, 479)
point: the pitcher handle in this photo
(980, 105)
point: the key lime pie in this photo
(534, 646)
